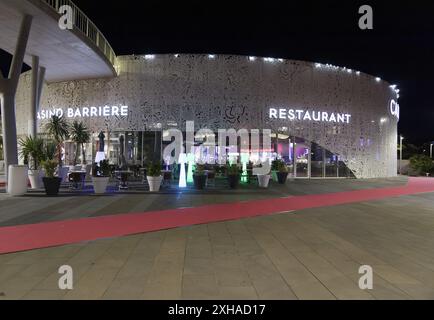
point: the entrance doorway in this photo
(306, 159)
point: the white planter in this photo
(264, 180)
(100, 184)
(17, 180)
(154, 183)
(35, 177)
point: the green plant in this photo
(421, 163)
(49, 167)
(103, 170)
(232, 170)
(80, 135)
(49, 151)
(32, 151)
(279, 165)
(282, 167)
(58, 128)
(275, 165)
(200, 170)
(154, 169)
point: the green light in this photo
(191, 167)
(244, 161)
(182, 181)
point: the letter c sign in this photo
(394, 108)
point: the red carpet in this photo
(27, 237)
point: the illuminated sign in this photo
(394, 108)
(305, 115)
(85, 112)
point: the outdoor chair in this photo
(167, 179)
(77, 180)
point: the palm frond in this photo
(58, 128)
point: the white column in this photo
(34, 96)
(38, 76)
(8, 88)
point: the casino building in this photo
(325, 121)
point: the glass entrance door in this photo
(302, 158)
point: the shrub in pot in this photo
(274, 169)
(48, 153)
(421, 164)
(58, 128)
(32, 151)
(154, 177)
(101, 176)
(233, 173)
(199, 177)
(51, 182)
(282, 173)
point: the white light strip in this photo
(269, 59)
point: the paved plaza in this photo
(307, 254)
(36, 207)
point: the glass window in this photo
(302, 150)
(331, 163)
(317, 161)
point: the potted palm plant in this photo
(282, 173)
(101, 176)
(79, 135)
(154, 177)
(51, 182)
(32, 152)
(49, 151)
(58, 128)
(233, 173)
(199, 177)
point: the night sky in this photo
(400, 49)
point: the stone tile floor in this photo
(309, 254)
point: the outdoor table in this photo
(77, 178)
(123, 178)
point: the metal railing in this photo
(86, 26)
